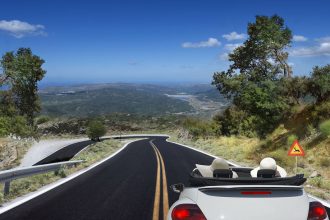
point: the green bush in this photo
(230, 121)
(4, 126)
(320, 112)
(319, 83)
(199, 128)
(325, 128)
(95, 130)
(15, 125)
(42, 119)
(236, 121)
(291, 138)
(61, 173)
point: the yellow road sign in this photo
(296, 149)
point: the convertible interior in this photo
(224, 177)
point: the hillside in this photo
(101, 99)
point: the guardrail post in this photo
(6, 188)
(7, 176)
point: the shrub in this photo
(311, 130)
(95, 130)
(319, 83)
(320, 112)
(4, 126)
(316, 181)
(42, 119)
(199, 128)
(291, 138)
(325, 162)
(15, 125)
(230, 121)
(20, 127)
(325, 128)
(61, 173)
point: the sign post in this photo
(296, 150)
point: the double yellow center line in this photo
(160, 169)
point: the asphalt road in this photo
(71, 150)
(131, 185)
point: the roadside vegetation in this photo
(95, 130)
(12, 151)
(19, 100)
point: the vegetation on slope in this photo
(261, 83)
(270, 107)
(19, 100)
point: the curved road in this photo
(131, 185)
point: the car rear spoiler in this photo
(197, 181)
(251, 187)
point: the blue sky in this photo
(153, 41)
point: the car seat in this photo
(266, 173)
(222, 173)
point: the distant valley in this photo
(144, 99)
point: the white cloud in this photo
(224, 56)
(323, 39)
(322, 49)
(234, 36)
(231, 47)
(211, 42)
(299, 38)
(21, 29)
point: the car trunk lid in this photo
(253, 202)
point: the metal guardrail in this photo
(16, 173)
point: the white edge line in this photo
(58, 183)
(325, 203)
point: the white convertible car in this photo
(244, 198)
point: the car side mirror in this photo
(177, 188)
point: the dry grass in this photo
(12, 151)
(249, 152)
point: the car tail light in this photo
(316, 211)
(256, 193)
(187, 212)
